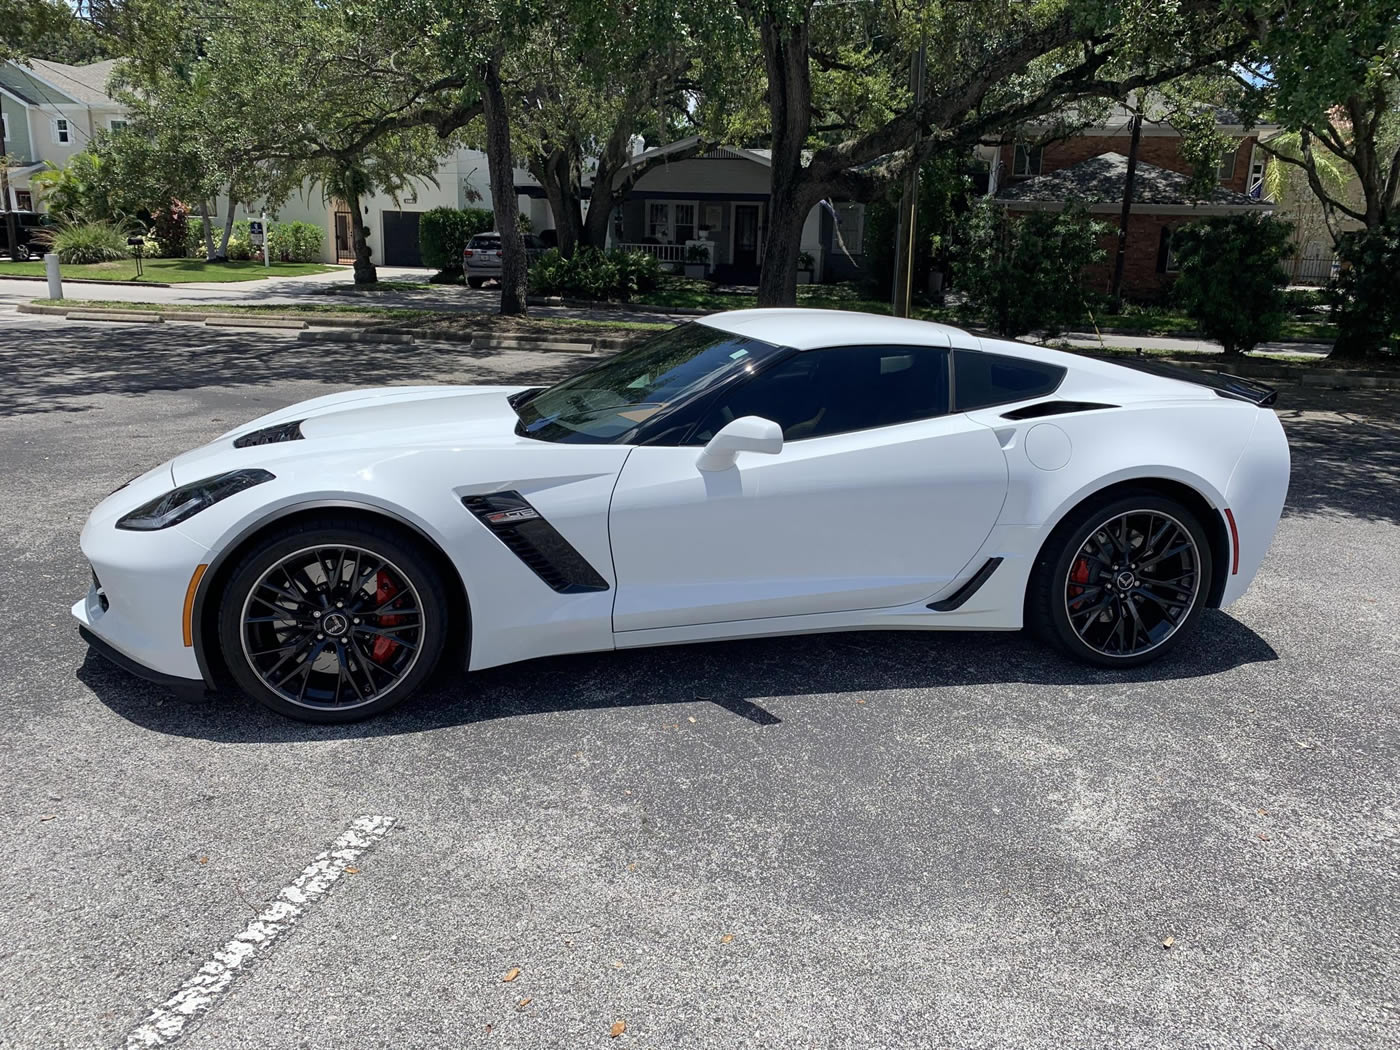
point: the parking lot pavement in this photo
(855, 840)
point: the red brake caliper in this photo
(1079, 574)
(384, 590)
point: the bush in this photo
(1363, 297)
(79, 243)
(1303, 302)
(592, 274)
(444, 232)
(1231, 283)
(170, 231)
(1022, 274)
(296, 241)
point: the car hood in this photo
(375, 419)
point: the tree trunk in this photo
(560, 174)
(208, 231)
(791, 194)
(614, 157)
(365, 270)
(1115, 289)
(1357, 343)
(503, 203)
(228, 230)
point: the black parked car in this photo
(28, 224)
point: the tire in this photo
(21, 253)
(475, 282)
(300, 579)
(1085, 584)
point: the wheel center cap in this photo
(335, 623)
(1126, 580)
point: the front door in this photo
(879, 498)
(747, 243)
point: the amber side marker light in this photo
(187, 620)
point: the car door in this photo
(879, 497)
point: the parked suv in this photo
(28, 223)
(481, 258)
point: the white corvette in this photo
(759, 472)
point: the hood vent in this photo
(271, 435)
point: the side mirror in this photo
(745, 434)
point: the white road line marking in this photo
(166, 1023)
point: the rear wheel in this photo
(476, 282)
(333, 621)
(21, 253)
(1120, 583)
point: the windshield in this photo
(607, 403)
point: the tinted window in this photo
(483, 243)
(818, 392)
(610, 402)
(991, 379)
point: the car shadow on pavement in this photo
(747, 679)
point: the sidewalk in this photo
(1184, 345)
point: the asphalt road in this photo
(859, 840)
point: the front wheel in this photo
(22, 253)
(1121, 583)
(332, 621)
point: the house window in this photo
(1027, 160)
(62, 134)
(658, 221)
(1226, 170)
(24, 200)
(116, 124)
(5, 125)
(850, 228)
(685, 223)
(1255, 186)
(1166, 258)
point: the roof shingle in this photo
(1099, 180)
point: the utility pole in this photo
(1115, 290)
(909, 201)
(11, 219)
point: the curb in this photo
(251, 322)
(84, 280)
(343, 336)
(1300, 375)
(124, 316)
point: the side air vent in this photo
(967, 590)
(535, 542)
(271, 435)
(1052, 408)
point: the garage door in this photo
(401, 238)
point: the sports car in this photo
(759, 472)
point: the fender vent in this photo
(536, 542)
(967, 590)
(1052, 408)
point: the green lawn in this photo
(172, 271)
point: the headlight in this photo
(189, 500)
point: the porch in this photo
(666, 224)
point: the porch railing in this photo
(665, 253)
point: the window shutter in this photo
(53, 131)
(1163, 246)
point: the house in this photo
(718, 198)
(51, 111)
(1091, 167)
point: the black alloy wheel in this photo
(332, 625)
(1124, 582)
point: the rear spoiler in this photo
(1223, 383)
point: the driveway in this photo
(855, 840)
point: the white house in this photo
(51, 110)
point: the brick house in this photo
(1091, 167)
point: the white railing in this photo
(665, 253)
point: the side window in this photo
(982, 379)
(818, 392)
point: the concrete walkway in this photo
(325, 289)
(1185, 345)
